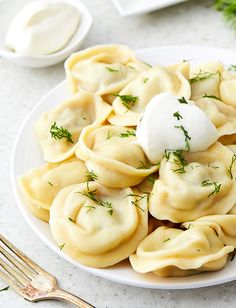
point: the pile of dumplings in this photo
(104, 200)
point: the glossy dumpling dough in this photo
(221, 115)
(205, 79)
(103, 69)
(228, 88)
(172, 252)
(73, 114)
(116, 160)
(144, 87)
(41, 184)
(89, 231)
(181, 197)
(224, 225)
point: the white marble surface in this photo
(193, 22)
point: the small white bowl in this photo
(9, 9)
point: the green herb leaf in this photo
(151, 179)
(142, 165)
(70, 219)
(177, 115)
(228, 8)
(211, 96)
(4, 289)
(233, 159)
(112, 70)
(178, 159)
(217, 186)
(50, 183)
(91, 176)
(149, 65)
(90, 207)
(60, 132)
(61, 246)
(145, 80)
(232, 67)
(128, 133)
(110, 134)
(166, 240)
(187, 137)
(127, 100)
(138, 198)
(182, 100)
(202, 76)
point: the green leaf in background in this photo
(228, 7)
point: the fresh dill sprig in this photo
(128, 133)
(145, 80)
(177, 115)
(228, 8)
(217, 186)
(232, 67)
(92, 194)
(110, 134)
(60, 132)
(186, 135)
(178, 159)
(142, 165)
(61, 246)
(4, 289)
(231, 166)
(138, 198)
(90, 207)
(166, 240)
(127, 100)
(182, 100)
(112, 70)
(151, 179)
(202, 76)
(211, 96)
(91, 176)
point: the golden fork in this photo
(30, 280)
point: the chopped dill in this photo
(70, 219)
(178, 159)
(60, 132)
(151, 179)
(145, 80)
(138, 198)
(216, 189)
(228, 8)
(211, 96)
(182, 100)
(109, 135)
(142, 165)
(186, 135)
(232, 67)
(127, 100)
(90, 207)
(91, 176)
(61, 246)
(50, 183)
(177, 115)
(128, 133)
(149, 65)
(233, 159)
(166, 240)
(202, 76)
(4, 289)
(112, 70)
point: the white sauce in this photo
(156, 131)
(42, 27)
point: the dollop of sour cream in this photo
(42, 27)
(168, 124)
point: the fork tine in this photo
(25, 270)
(13, 273)
(12, 283)
(35, 267)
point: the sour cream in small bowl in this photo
(42, 33)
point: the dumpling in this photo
(59, 129)
(205, 79)
(221, 115)
(172, 252)
(131, 101)
(111, 153)
(228, 92)
(98, 226)
(103, 69)
(192, 185)
(224, 226)
(41, 184)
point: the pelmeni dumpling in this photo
(41, 184)
(132, 100)
(228, 92)
(111, 153)
(98, 226)
(103, 69)
(172, 252)
(192, 185)
(221, 115)
(69, 118)
(224, 225)
(205, 79)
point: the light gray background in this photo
(193, 22)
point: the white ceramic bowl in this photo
(9, 9)
(27, 154)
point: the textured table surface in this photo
(193, 22)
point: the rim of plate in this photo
(166, 283)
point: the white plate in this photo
(135, 7)
(27, 154)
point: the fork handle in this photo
(61, 294)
